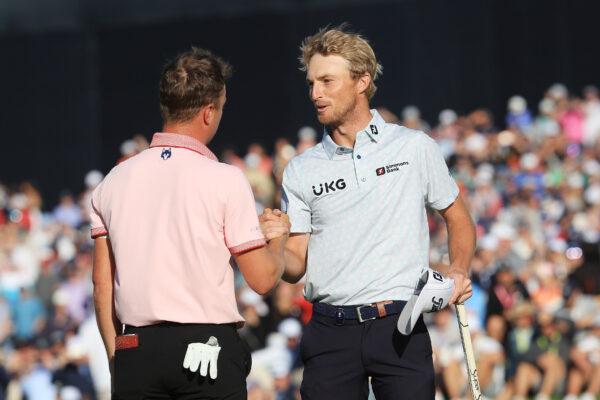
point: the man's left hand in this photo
(462, 286)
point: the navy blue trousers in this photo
(339, 359)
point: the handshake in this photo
(274, 224)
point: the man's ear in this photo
(363, 83)
(208, 113)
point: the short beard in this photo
(342, 116)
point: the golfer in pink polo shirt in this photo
(166, 223)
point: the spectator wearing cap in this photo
(68, 212)
(307, 138)
(255, 312)
(166, 223)
(522, 320)
(292, 330)
(518, 116)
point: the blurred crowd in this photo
(531, 182)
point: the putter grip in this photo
(465, 337)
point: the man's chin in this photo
(325, 119)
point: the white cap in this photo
(60, 297)
(503, 231)
(547, 106)
(252, 160)
(288, 152)
(65, 248)
(276, 340)
(558, 91)
(432, 293)
(488, 242)
(592, 194)
(290, 328)
(591, 167)
(557, 245)
(447, 117)
(93, 178)
(517, 104)
(69, 393)
(128, 148)
(251, 298)
(307, 133)
(484, 174)
(530, 161)
(411, 112)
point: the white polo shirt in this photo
(365, 210)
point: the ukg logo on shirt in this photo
(329, 187)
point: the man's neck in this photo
(345, 133)
(185, 129)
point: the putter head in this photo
(432, 293)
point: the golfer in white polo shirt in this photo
(357, 205)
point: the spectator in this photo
(533, 188)
(28, 315)
(68, 212)
(543, 366)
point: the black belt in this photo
(361, 313)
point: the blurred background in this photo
(509, 89)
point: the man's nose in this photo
(315, 92)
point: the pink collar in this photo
(161, 139)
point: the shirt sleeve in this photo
(292, 202)
(97, 228)
(439, 187)
(242, 230)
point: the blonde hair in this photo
(350, 46)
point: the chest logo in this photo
(328, 187)
(390, 168)
(166, 154)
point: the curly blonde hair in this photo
(349, 45)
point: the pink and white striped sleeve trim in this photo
(251, 245)
(97, 232)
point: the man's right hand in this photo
(274, 224)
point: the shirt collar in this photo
(161, 139)
(373, 131)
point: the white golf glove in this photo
(203, 354)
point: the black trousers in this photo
(154, 369)
(338, 359)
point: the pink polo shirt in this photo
(175, 215)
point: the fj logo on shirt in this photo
(374, 130)
(328, 187)
(390, 168)
(166, 154)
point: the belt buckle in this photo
(360, 318)
(339, 316)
